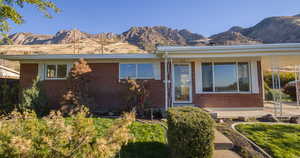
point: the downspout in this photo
(166, 80)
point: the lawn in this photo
(149, 142)
(280, 141)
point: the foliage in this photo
(24, 135)
(9, 96)
(135, 94)
(34, 99)
(281, 141)
(285, 77)
(270, 93)
(150, 139)
(78, 93)
(9, 11)
(291, 91)
(190, 132)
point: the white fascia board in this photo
(216, 55)
(172, 49)
(212, 51)
(78, 56)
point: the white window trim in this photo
(136, 71)
(238, 89)
(56, 65)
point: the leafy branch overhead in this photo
(9, 12)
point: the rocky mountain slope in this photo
(281, 29)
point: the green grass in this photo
(280, 141)
(149, 142)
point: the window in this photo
(56, 71)
(207, 77)
(226, 77)
(137, 71)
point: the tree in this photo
(78, 92)
(135, 94)
(8, 12)
(35, 99)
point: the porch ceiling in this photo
(283, 62)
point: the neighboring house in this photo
(6, 72)
(219, 77)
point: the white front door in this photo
(182, 83)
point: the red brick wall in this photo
(104, 87)
(229, 99)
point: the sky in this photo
(206, 17)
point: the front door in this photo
(182, 85)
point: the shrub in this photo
(135, 94)
(34, 99)
(24, 135)
(78, 92)
(9, 95)
(190, 132)
(285, 77)
(291, 91)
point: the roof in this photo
(231, 48)
(78, 56)
(258, 50)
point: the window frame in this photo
(56, 68)
(237, 78)
(136, 71)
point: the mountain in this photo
(231, 38)
(28, 38)
(148, 38)
(281, 29)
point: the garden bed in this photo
(279, 140)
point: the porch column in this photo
(296, 83)
(166, 80)
(276, 86)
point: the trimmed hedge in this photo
(190, 132)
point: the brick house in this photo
(216, 77)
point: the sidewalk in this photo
(223, 147)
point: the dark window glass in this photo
(244, 83)
(61, 71)
(225, 77)
(207, 77)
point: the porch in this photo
(265, 57)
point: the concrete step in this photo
(225, 154)
(221, 142)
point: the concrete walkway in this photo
(223, 147)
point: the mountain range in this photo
(281, 29)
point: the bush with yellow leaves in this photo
(25, 135)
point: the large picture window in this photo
(226, 77)
(56, 71)
(137, 71)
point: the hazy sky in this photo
(206, 17)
